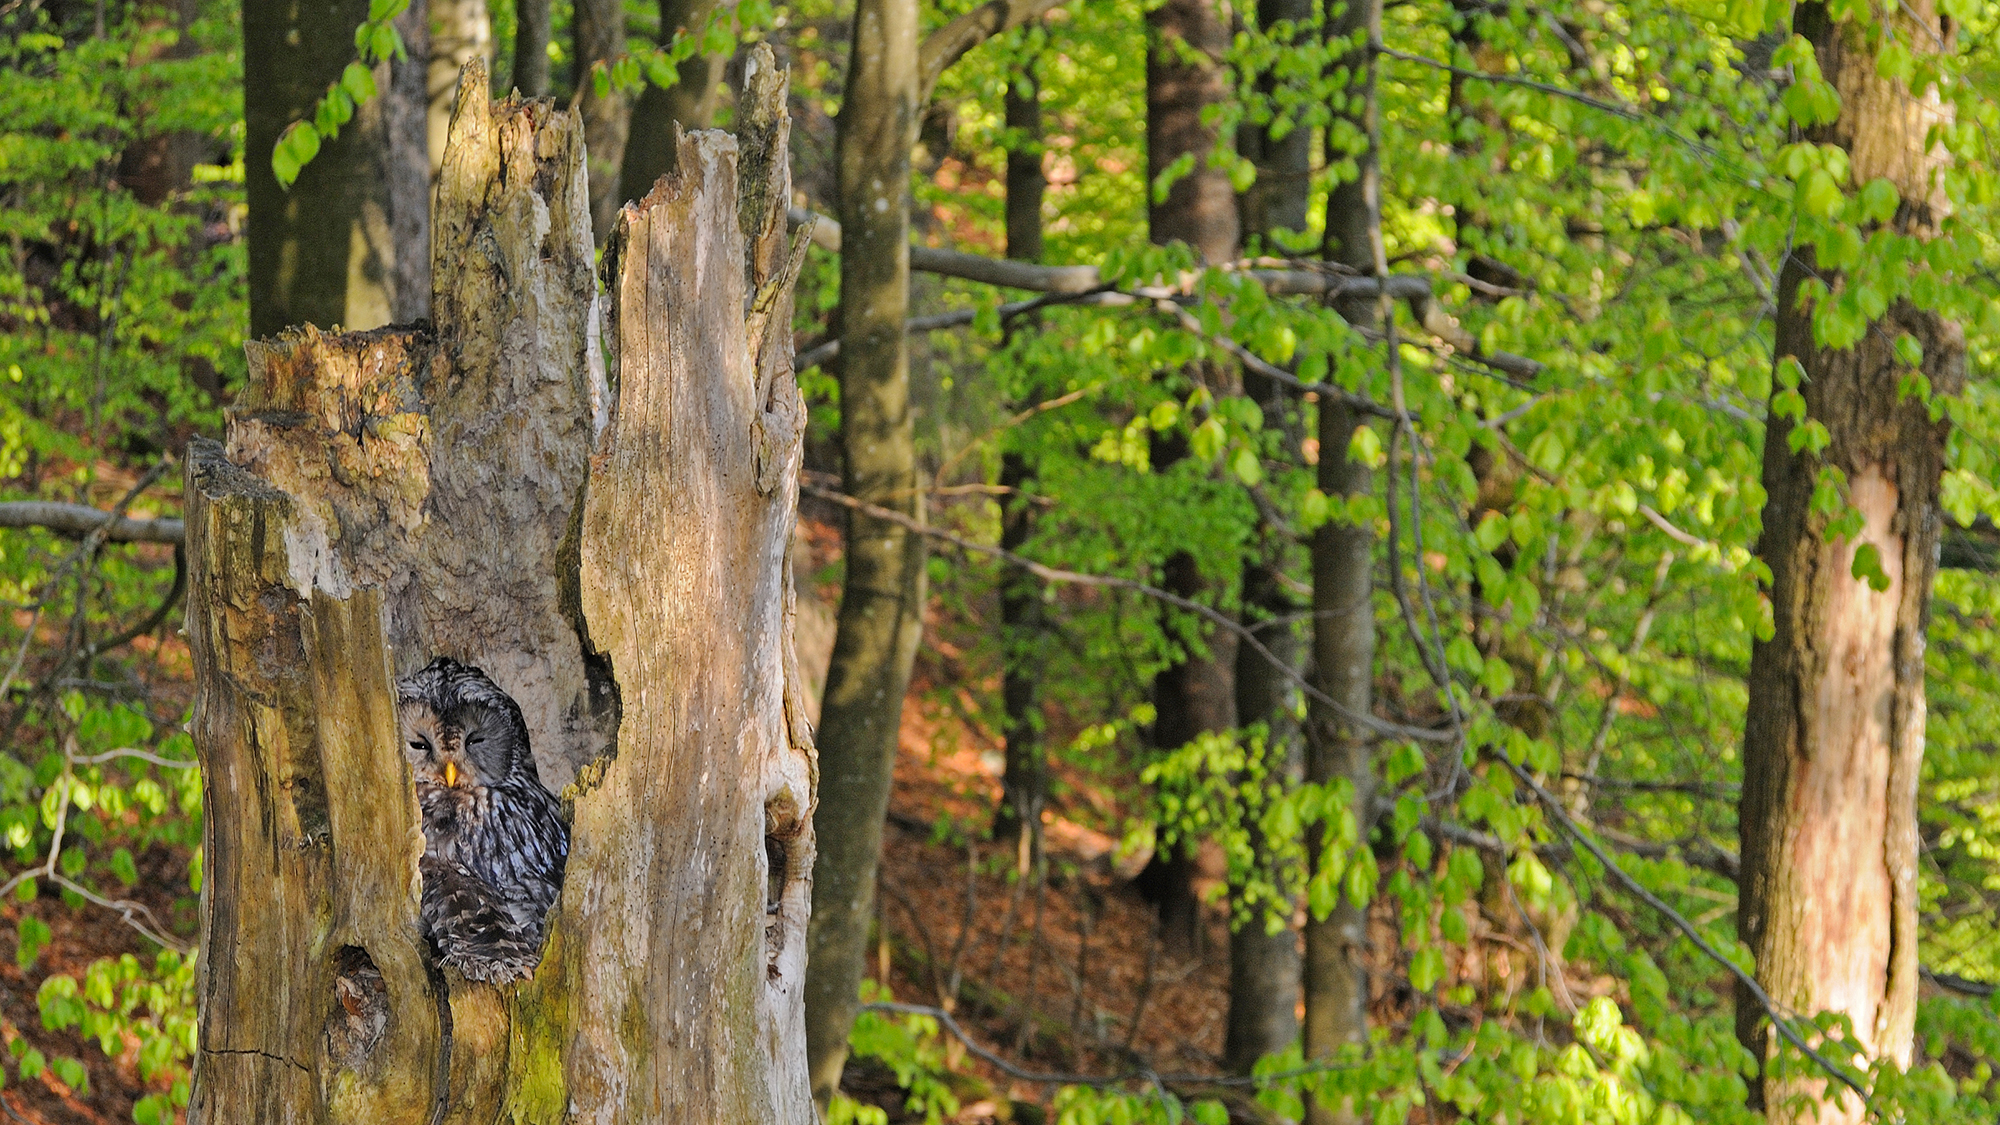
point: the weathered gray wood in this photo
(616, 562)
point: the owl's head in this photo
(460, 730)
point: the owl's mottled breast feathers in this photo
(494, 840)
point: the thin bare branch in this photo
(1380, 727)
(78, 520)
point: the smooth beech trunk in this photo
(1185, 77)
(598, 28)
(1834, 739)
(1336, 973)
(882, 593)
(1264, 967)
(1185, 80)
(613, 556)
(322, 252)
(1024, 780)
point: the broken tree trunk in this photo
(614, 557)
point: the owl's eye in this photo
(420, 744)
(475, 740)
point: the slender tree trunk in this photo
(1834, 739)
(688, 104)
(406, 117)
(1025, 781)
(1192, 697)
(1184, 77)
(882, 597)
(618, 567)
(323, 252)
(1027, 181)
(531, 48)
(1282, 193)
(1264, 967)
(1336, 975)
(599, 30)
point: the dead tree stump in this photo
(611, 551)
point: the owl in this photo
(494, 839)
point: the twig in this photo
(1369, 722)
(78, 520)
(1145, 984)
(1025, 1031)
(1057, 403)
(1059, 1078)
(1749, 984)
(952, 974)
(1624, 679)
(130, 752)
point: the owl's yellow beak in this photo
(451, 775)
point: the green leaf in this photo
(1247, 467)
(358, 81)
(1868, 567)
(32, 935)
(1365, 447)
(295, 149)
(1206, 442)
(1819, 195)
(1894, 61)
(1909, 351)
(384, 44)
(1207, 1112)
(72, 1073)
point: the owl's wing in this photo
(472, 927)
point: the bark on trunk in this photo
(882, 595)
(616, 564)
(1834, 739)
(1025, 780)
(599, 29)
(1264, 967)
(405, 115)
(1192, 697)
(1336, 974)
(1027, 182)
(322, 252)
(1282, 193)
(688, 104)
(1184, 76)
(531, 49)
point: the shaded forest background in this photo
(1419, 561)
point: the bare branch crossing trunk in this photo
(614, 556)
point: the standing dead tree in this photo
(612, 552)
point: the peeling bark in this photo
(616, 559)
(1834, 739)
